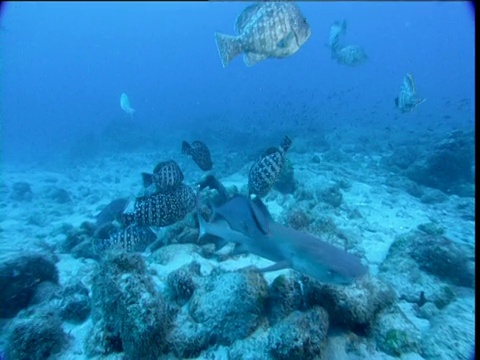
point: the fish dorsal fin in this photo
(245, 16)
(260, 214)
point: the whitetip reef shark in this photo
(247, 223)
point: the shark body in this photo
(249, 225)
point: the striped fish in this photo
(166, 176)
(266, 170)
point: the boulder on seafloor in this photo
(451, 334)
(298, 219)
(395, 334)
(19, 278)
(21, 191)
(59, 195)
(301, 335)
(448, 166)
(413, 282)
(254, 347)
(230, 305)
(285, 296)
(444, 258)
(402, 157)
(128, 313)
(353, 307)
(331, 195)
(187, 339)
(224, 308)
(37, 338)
(181, 282)
(79, 241)
(75, 304)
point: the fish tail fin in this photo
(147, 179)
(186, 148)
(286, 143)
(228, 47)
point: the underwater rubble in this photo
(168, 294)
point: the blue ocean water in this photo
(395, 190)
(64, 66)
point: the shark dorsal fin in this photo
(260, 214)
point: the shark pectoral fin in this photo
(260, 219)
(284, 264)
(260, 213)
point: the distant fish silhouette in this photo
(408, 99)
(125, 105)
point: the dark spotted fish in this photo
(266, 170)
(265, 30)
(162, 209)
(166, 176)
(199, 153)
(133, 238)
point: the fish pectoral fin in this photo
(284, 264)
(251, 59)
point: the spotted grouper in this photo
(133, 238)
(167, 176)
(199, 153)
(265, 171)
(162, 209)
(265, 30)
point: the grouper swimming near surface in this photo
(249, 225)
